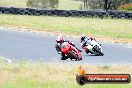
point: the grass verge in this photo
(53, 75)
(13, 3)
(113, 28)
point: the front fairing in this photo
(95, 43)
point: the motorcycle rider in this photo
(60, 40)
(85, 41)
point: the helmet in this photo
(83, 37)
(60, 39)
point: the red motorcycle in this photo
(69, 51)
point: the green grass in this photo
(53, 75)
(63, 4)
(69, 4)
(26, 83)
(116, 28)
(13, 3)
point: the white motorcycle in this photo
(92, 46)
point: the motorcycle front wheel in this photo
(74, 56)
(98, 50)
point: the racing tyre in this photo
(74, 56)
(100, 53)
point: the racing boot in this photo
(63, 57)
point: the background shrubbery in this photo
(104, 4)
(43, 4)
(126, 7)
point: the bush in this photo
(126, 7)
(43, 4)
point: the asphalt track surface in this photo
(22, 45)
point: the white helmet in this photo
(83, 37)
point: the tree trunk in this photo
(105, 4)
(85, 4)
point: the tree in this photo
(114, 4)
(85, 4)
(104, 4)
(54, 3)
(93, 4)
(29, 3)
(43, 4)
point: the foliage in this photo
(114, 4)
(43, 4)
(103, 4)
(96, 4)
(126, 7)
